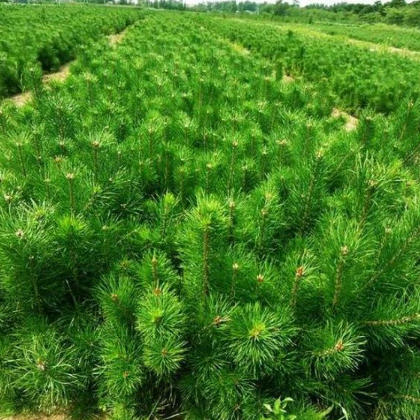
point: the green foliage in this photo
(186, 232)
(41, 39)
(359, 77)
(45, 368)
(256, 336)
(278, 410)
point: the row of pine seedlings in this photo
(185, 235)
(39, 40)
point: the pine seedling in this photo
(374, 189)
(160, 315)
(59, 114)
(343, 253)
(300, 269)
(161, 323)
(346, 396)
(232, 176)
(366, 131)
(260, 220)
(400, 386)
(305, 195)
(157, 270)
(73, 237)
(334, 349)
(164, 356)
(206, 357)
(153, 132)
(227, 393)
(255, 336)
(254, 137)
(188, 128)
(405, 130)
(21, 145)
(27, 251)
(204, 362)
(395, 257)
(167, 215)
(203, 245)
(120, 369)
(406, 120)
(70, 176)
(123, 411)
(111, 236)
(209, 330)
(250, 279)
(211, 171)
(248, 175)
(393, 321)
(100, 144)
(117, 296)
(7, 391)
(120, 197)
(83, 333)
(31, 79)
(46, 368)
(184, 175)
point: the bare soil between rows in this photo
(36, 417)
(351, 121)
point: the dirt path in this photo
(57, 416)
(59, 76)
(373, 47)
(288, 79)
(20, 99)
(239, 48)
(36, 417)
(115, 39)
(351, 121)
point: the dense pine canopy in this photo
(190, 228)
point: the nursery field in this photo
(211, 219)
(393, 36)
(37, 40)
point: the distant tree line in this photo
(397, 12)
(164, 4)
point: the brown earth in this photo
(59, 76)
(288, 79)
(115, 39)
(20, 99)
(55, 416)
(36, 417)
(351, 121)
(373, 47)
(239, 49)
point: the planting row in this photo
(35, 40)
(392, 36)
(357, 77)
